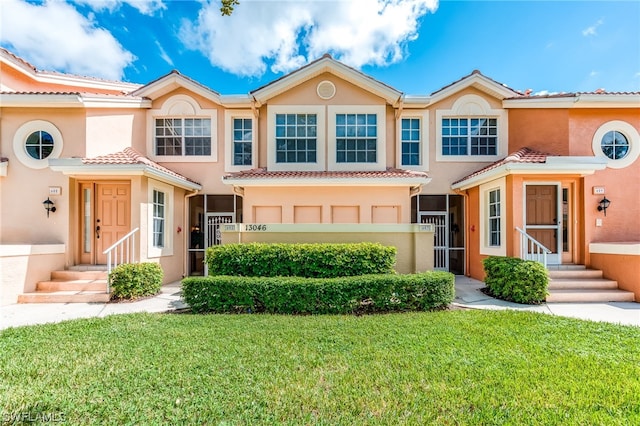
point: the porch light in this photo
(49, 206)
(603, 205)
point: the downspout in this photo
(187, 232)
(465, 195)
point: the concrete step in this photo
(575, 273)
(72, 285)
(70, 275)
(65, 297)
(566, 267)
(586, 284)
(587, 295)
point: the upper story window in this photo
(183, 136)
(37, 141)
(616, 142)
(296, 138)
(39, 145)
(410, 138)
(242, 141)
(471, 131)
(182, 131)
(614, 145)
(356, 138)
(469, 136)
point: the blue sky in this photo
(415, 46)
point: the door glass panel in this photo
(565, 219)
(87, 231)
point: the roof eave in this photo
(554, 165)
(35, 100)
(262, 182)
(478, 81)
(75, 167)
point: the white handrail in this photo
(125, 244)
(532, 249)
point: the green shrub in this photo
(300, 260)
(134, 280)
(516, 280)
(298, 295)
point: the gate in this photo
(440, 238)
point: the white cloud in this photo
(37, 31)
(592, 30)
(288, 34)
(146, 7)
(163, 54)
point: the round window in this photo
(614, 145)
(39, 145)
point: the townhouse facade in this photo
(471, 170)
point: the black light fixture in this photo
(603, 205)
(48, 206)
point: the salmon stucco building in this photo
(96, 172)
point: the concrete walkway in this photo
(468, 295)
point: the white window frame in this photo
(485, 229)
(229, 116)
(473, 106)
(181, 106)
(319, 111)
(381, 150)
(423, 116)
(20, 140)
(632, 135)
(167, 250)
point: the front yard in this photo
(446, 367)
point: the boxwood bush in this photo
(298, 295)
(300, 260)
(516, 280)
(134, 280)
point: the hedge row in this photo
(134, 280)
(342, 295)
(516, 280)
(300, 260)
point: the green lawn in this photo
(446, 367)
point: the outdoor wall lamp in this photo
(49, 206)
(603, 205)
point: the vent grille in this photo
(326, 90)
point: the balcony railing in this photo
(122, 251)
(532, 249)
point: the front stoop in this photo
(576, 283)
(70, 287)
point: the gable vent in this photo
(326, 89)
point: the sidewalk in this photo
(468, 295)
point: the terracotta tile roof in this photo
(389, 173)
(131, 156)
(574, 94)
(523, 155)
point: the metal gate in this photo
(214, 222)
(440, 238)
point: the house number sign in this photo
(253, 227)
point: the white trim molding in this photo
(321, 140)
(181, 106)
(381, 142)
(473, 106)
(485, 189)
(167, 250)
(20, 139)
(229, 116)
(632, 135)
(423, 116)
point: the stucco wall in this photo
(620, 262)
(413, 242)
(23, 266)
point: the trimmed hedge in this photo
(134, 280)
(342, 295)
(516, 280)
(300, 260)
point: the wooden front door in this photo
(543, 220)
(106, 217)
